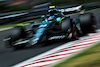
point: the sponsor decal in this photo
(22, 42)
(43, 25)
(57, 37)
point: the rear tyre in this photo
(87, 22)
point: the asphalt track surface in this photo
(10, 57)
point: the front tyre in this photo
(65, 25)
(17, 33)
(68, 26)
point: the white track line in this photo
(51, 58)
(66, 50)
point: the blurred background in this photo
(20, 5)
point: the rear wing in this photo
(69, 9)
(77, 8)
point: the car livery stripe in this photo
(58, 54)
(62, 19)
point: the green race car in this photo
(53, 26)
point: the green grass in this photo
(88, 58)
(12, 25)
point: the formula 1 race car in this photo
(53, 26)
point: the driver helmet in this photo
(51, 18)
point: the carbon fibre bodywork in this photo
(52, 27)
